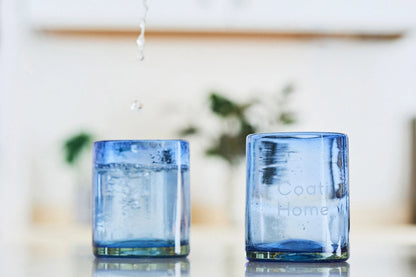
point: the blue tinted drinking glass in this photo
(141, 198)
(297, 205)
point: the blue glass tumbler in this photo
(297, 205)
(141, 198)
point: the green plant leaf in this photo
(74, 146)
(287, 118)
(246, 129)
(223, 106)
(188, 131)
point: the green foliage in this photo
(288, 89)
(287, 118)
(230, 144)
(75, 145)
(188, 131)
(222, 106)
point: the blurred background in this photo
(69, 73)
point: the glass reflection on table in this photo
(257, 269)
(172, 267)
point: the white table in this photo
(215, 251)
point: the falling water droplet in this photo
(140, 40)
(136, 105)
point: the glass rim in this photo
(139, 140)
(298, 135)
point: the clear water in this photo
(140, 206)
(142, 24)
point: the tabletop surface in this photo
(215, 251)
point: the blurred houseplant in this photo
(77, 148)
(235, 121)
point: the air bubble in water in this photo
(136, 105)
(134, 148)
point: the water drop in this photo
(136, 105)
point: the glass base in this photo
(296, 250)
(296, 256)
(141, 252)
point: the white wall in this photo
(363, 88)
(14, 180)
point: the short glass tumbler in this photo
(297, 205)
(141, 198)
